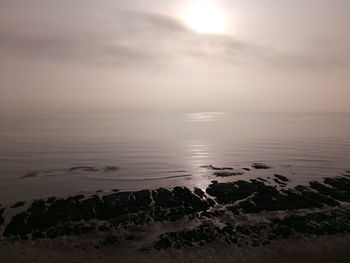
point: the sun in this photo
(205, 17)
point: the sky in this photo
(143, 55)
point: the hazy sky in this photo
(111, 55)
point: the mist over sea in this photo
(133, 151)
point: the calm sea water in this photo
(164, 149)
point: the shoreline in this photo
(250, 215)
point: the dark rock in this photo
(281, 177)
(103, 228)
(340, 183)
(29, 175)
(211, 167)
(315, 196)
(83, 168)
(199, 192)
(18, 204)
(140, 200)
(334, 192)
(36, 217)
(230, 192)
(249, 207)
(165, 198)
(109, 240)
(246, 169)
(261, 179)
(76, 215)
(2, 220)
(17, 226)
(260, 166)
(111, 168)
(280, 182)
(227, 174)
(50, 200)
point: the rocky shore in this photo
(243, 213)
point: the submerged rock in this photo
(29, 175)
(83, 168)
(227, 174)
(110, 168)
(260, 166)
(211, 167)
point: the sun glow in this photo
(205, 17)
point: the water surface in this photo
(164, 149)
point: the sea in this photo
(69, 154)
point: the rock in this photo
(83, 168)
(139, 201)
(211, 167)
(29, 175)
(336, 192)
(315, 196)
(199, 192)
(78, 214)
(246, 169)
(17, 226)
(280, 182)
(281, 177)
(2, 220)
(230, 192)
(18, 204)
(260, 166)
(109, 240)
(110, 168)
(340, 183)
(227, 174)
(261, 179)
(319, 223)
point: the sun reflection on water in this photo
(204, 116)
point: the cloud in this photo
(138, 39)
